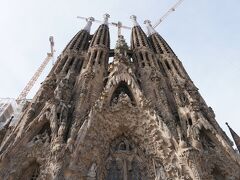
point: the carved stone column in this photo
(192, 158)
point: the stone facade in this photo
(139, 117)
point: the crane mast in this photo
(172, 9)
(37, 74)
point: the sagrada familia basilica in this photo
(139, 117)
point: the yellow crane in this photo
(37, 74)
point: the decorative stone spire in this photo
(105, 18)
(150, 29)
(134, 20)
(138, 37)
(121, 47)
(79, 42)
(121, 43)
(236, 138)
(89, 24)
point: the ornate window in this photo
(217, 175)
(69, 65)
(78, 67)
(167, 64)
(31, 172)
(207, 142)
(43, 135)
(124, 162)
(122, 93)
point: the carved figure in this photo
(92, 173)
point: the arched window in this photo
(147, 58)
(78, 67)
(75, 41)
(122, 91)
(61, 64)
(190, 121)
(158, 42)
(161, 67)
(70, 64)
(93, 57)
(151, 41)
(217, 174)
(122, 146)
(31, 172)
(124, 161)
(136, 37)
(176, 67)
(44, 134)
(99, 35)
(114, 171)
(206, 140)
(141, 56)
(167, 64)
(100, 57)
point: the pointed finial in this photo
(134, 20)
(105, 18)
(89, 24)
(236, 138)
(121, 47)
(150, 29)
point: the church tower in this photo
(139, 117)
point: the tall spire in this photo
(138, 37)
(101, 36)
(236, 138)
(121, 47)
(105, 18)
(89, 24)
(150, 29)
(134, 20)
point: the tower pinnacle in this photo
(150, 29)
(134, 20)
(236, 138)
(121, 46)
(105, 18)
(89, 24)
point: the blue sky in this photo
(204, 34)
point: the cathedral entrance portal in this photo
(124, 162)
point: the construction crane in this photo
(37, 74)
(172, 9)
(118, 24)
